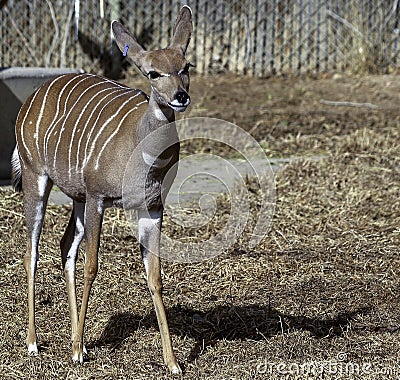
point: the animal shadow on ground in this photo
(226, 322)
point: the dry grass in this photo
(322, 287)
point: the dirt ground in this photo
(318, 298)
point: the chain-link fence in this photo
(257, 37)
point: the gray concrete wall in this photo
(16, 84)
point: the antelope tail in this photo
(16, 175)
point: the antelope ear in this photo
(182, 30)
(127, 43)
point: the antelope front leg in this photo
(93, 219)
(149, 237)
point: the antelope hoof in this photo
(32, 349)
(175, 369)
(77, 357)
(78, 352)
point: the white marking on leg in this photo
(79, 210)
(37, 222)
(114, 133)
(148, 221)
(35, 237)
(78, 357)
(42, 184)
(176, 370)
(73, 251)
(32, 349)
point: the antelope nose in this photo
(183, 98)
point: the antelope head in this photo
(167, 69)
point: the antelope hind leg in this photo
(35, 201)
(69, 253)
(94, 211)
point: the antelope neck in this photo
(157, 114)
(155, 117)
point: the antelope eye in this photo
(154, 75)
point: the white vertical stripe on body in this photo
(71, 143)
(83, 134)
(51, 125)
(55, 123)
(66, 118)
(23, 126)
(106, 106)
(39, 118)
(115, 132)
(108, 121)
